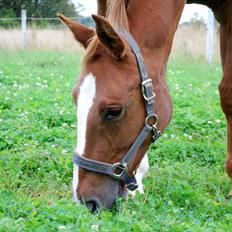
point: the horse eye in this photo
(112, 113)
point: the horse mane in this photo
(117, 16)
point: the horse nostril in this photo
(93, 204)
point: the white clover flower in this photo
(172, 136)
(64, 125)
(171, 72)
(62, 227)
(95, 227)
(64, 151)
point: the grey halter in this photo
(119, 170)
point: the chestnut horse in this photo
(222, 10)
(111, 108)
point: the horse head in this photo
(109, 105)
(117, 117)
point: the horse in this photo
(122, 97)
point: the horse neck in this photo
(153, 26)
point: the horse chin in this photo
(103, 197)
(118, 190)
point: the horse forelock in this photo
(92, 50)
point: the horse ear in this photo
(82, 33)
(109, 37)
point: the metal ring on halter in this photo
(151, 125)
(118, 170)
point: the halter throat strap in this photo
(119, 170)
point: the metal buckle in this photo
(132, 186)
(156, 132)
(146, 87)
(118, 170)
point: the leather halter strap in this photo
(119, 170)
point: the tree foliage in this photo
(38, 8)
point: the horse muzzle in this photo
(100, 193)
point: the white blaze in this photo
(85, 99)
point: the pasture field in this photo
(185, 188)
(62, 39)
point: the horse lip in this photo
(93, 204)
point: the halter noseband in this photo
(119, 170)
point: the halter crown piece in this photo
(119, 170)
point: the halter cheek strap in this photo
(119, 170)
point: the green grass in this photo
(184, 190)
